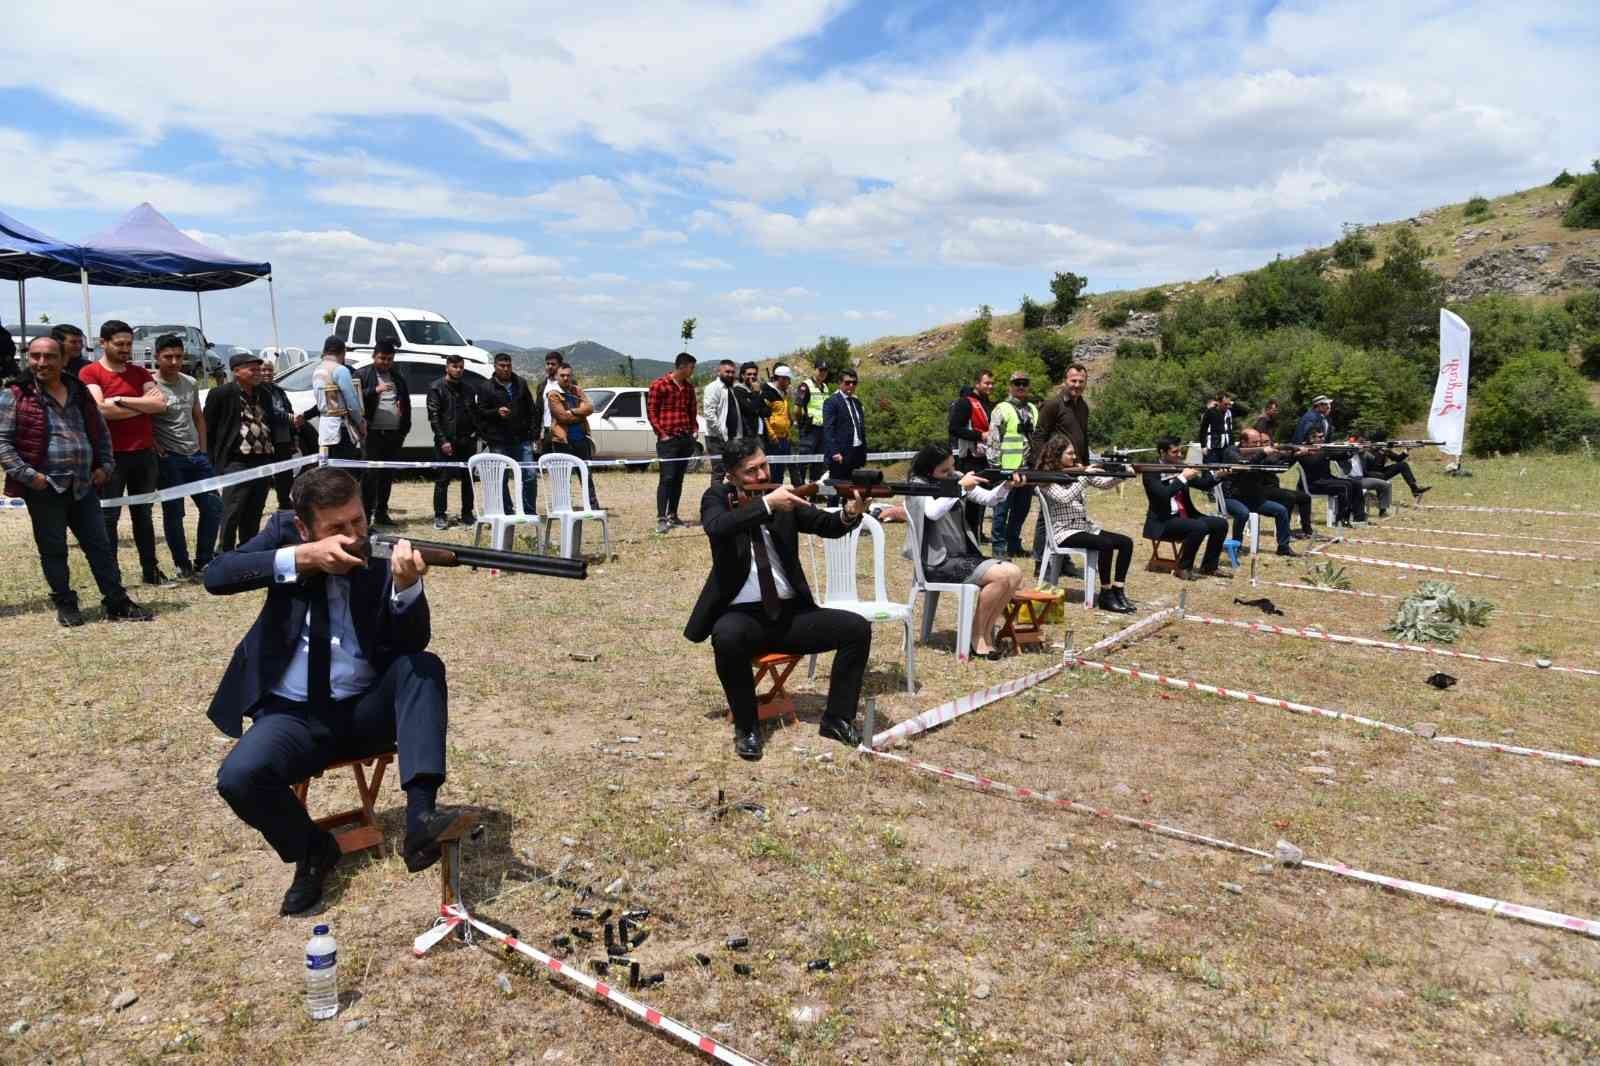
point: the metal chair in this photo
(489, 472)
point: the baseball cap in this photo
(333, 344)
(1019, 377)
(1321, 399)
(238, 359)
(781, 371)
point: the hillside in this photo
(1518, 247)
(590, 359)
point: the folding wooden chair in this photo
(366, 832)
(1159, 564)
(776, 701)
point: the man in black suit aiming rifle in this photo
(756, 600)
(1172, 514)
(333, 668)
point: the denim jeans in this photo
(1241, 518)
(523, 454)
(1010, 515)
(180, 470)
(1280, 515)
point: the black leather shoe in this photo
(1287, 552)
(842, 731)
(1107, 601)
(747, 744)
(128, 611)
(69, 615)
(305, 891)
(1128, 605)
(1185, 575)
(422, 843)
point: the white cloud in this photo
(70, 174)
(765, 313)
(705, 263)
(874, 316)
(651, 237)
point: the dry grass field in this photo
(961, 927)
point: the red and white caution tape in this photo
(1492, 536)
(1397, 599)
(1451, 548)
(1504, 510)
(1368, 642)
(453, 916)
(1484, 904)
(1414, 566)
(972, 701)
(1245, 696)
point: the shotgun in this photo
(437, 553)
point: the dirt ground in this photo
(960, 927)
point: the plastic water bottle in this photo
(322, 974)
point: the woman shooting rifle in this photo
(1069, 520)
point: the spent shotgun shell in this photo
(737, 942)
(742, 969)
(819, 964)
(703, 960)
(581, 934)
(583, 912)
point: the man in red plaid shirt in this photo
(671, 409)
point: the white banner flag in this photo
(1447, 418)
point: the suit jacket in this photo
(837, 430)
(1159, 493)
(367, 382)
(265, 653)
(222, 420)
(730, 529)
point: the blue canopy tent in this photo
(145, 251)
(26, 253)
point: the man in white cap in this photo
(775, 392)
(1315, 421)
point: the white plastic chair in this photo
(839, 589)
(1252, 527)
(966, 595)
(489, 471)
(1050, 565)
(558, 469)
(1305, 487)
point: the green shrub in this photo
(1128, 348)
(1589, 356)
(1194, 324)
(975, 334)
(1354, 248)
(1154, 300)
(1504, 326)
(1394, 308)
(1113, 317)
(1477, 207)
(1032, 314)
(1052, 349)
(1142, 399)
(1563, 179)
(1583, 210)
(1285, 292)
(1535, 400)
(906, 412)
(1067, 288)
(1584, 307)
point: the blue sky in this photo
(541, 173)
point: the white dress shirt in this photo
(751, 591)
(351, 671)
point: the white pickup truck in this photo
(412, 330)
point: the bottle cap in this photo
(320, 930)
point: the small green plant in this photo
(1327, 576)
(1128, 348)
(894, 839)
(1437, 612)
(1354, 248)
(1154, 300)
(1113, 317)
(1476, 208)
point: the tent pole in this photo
(88, 324)
(272, 299)
(22, 317)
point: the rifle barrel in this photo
(437, 553)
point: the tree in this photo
(44, 319)
(1032, 314)
(1395, 307)
(975, 334)
(1067, 288)
(1535, 400)
(1285, 292)
(831, 352)
(1583, 210)
(1354, 248)
(687, 331)
(329, 315)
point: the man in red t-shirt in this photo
(128, 395)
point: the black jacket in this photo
(1159, 489)
(367, 382)
(451, 413)
(516, 428)
(222, 420)
(267, 649)
(730, 529)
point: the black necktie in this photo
(769, 588)
(319, 668)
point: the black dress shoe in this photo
(1416, 493)
(1288, 552)
(1128, 605)
(305, 891)
(1185, 575)
(128, 611)
(422, 843)
(839, 729)
(69, 615)
(747, 744)
(1108, 601)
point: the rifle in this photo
(437, 553)
(1066, 476)
(866, 483)
(1174, 468)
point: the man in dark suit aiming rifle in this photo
(756, 600)
(334, 667)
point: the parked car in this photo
(200, 360)
(412, 330)
(620, 428)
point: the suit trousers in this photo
(743, 632)
(1292, 499)
(243, 503)
(376, 485)
(1212, 529)
(1349, 498)
(52, 514)
(461, 449)
(1389, 471)
(405, 711)
(854, 459)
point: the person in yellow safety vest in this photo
(1010, 425)
(775, 394)
(807, 435)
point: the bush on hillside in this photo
(1140, 400)
(1393, 308)
(1194, 325)
(1154, 300)
(1113, 317)
(975, 334)
(1374, 389)
(1583, 210)
(1563, 179)
(1354, 248)
(1589, 356)
(1535, 400)
(1504, 326)
(1032, 314)
(1285, 292)
(1476, 208)
(907, 412)
(1053, 350)
(1128, 348)
(1584, 307)
(1067, 288)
